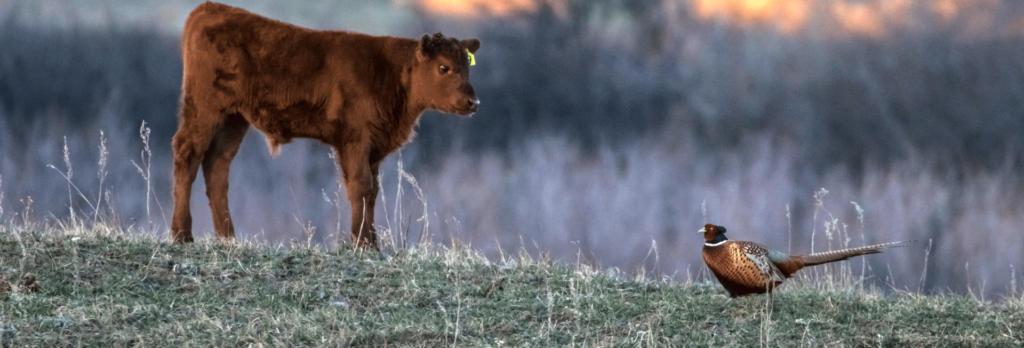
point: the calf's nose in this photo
(474, 103)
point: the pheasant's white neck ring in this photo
(715, 244)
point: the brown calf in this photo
(360, 94)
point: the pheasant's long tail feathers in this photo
(840, 255)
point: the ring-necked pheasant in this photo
(746, 268)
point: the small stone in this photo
(186, 269)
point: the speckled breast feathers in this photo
(747, 265)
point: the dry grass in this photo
(97, 282)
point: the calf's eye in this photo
(444, 69)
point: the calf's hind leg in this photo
(190, 144)
(217, 166)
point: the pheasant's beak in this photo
(702, 231)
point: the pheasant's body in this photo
(746, 268)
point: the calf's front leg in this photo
(362, 193)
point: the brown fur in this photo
(360, 94)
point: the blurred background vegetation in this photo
(604, 128)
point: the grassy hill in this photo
(116, 287)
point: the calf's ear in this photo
(423, 49)
(472, 45)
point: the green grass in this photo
(108, 287)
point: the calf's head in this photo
(440, 76)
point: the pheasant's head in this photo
(713, 233)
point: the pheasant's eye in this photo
(444, 69)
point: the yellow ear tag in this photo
(472, 59)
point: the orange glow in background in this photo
(785, 15)
(868, 18)
(467, 8)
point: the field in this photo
(107, 286)
(609, 132)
